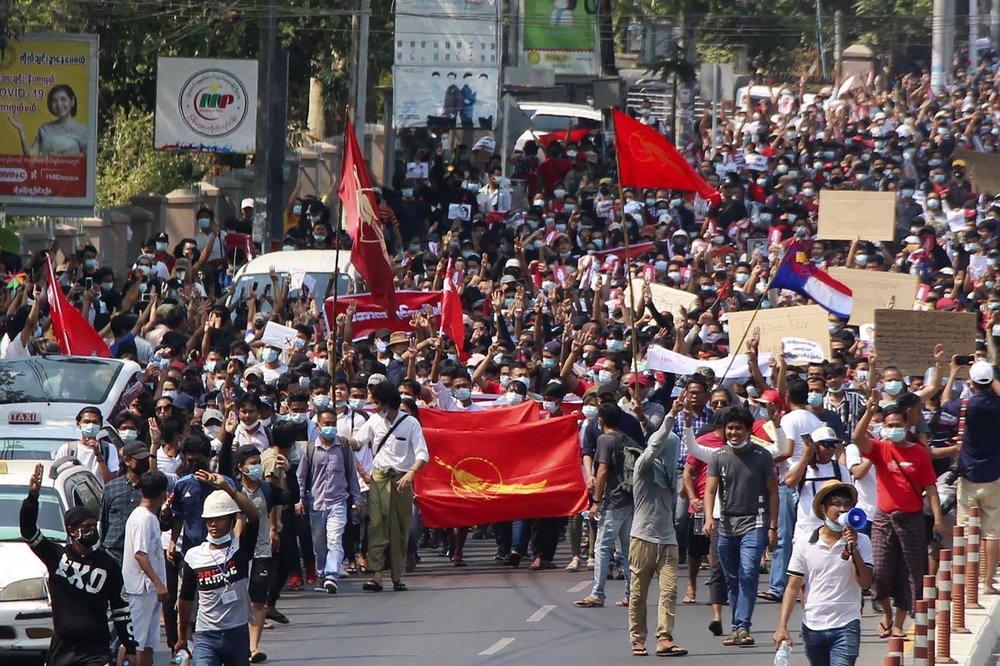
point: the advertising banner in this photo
(445, 97)
(48, 136)
(560, 35)
(206, 105)
(447, 32)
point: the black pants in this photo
(355, 537)
(72, 653)
(303, 532)
(170, 607)
(286, 560)
(545, 537)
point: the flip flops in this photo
(371, 586)
(589, 602)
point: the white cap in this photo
(246, 203)
(824, 434)
(219, 503)
(377, 378)
(212, 414)
(981, 372)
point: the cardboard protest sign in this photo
(982, 168)
(809, 322)
(906, 339)
(418, 170)
(872, 291)
(459, 211)
(801, 351)
(666, 299)
(851, 215)
(281, 337)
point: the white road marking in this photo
(496, 647)
(540, 613)
(581, 586)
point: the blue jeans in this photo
(788, 507)
(328, 539)
(230, 647)
(611, 524)
(740, 557)
(833, 647)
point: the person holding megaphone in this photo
(835, 565)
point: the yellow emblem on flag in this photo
(478, 478)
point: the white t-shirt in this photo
(866, 485)
(795, 424)
(89, 460)
(166, 464)
(833, 597)
(12, 347)
(142, 533)
(807, 521)
(271, 374)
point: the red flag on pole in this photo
(647, 159)
(501, 473)
(75, 334)
(368, 253)
(452, 322)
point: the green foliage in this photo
(128, 165)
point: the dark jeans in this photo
(68, 653)
(833, 647)
(303, 532)
(170, 607)
(286, 560)
(545, 537)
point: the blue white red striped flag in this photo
(798, 274)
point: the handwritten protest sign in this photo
(666, 299)
(906, 338)
(872, 291)
(276, 335)
(809, 322)
(850, 215)
(800, 350)
(983, 169)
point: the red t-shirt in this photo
(699, 470)
(552, 171)
(894, 491)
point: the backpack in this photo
(625, 458)
(103, 443)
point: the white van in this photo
(556, 117)
(320, 265)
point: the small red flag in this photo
(75, 334)
(452, 322)
(647, 159)
(368, 253)
(501, 473)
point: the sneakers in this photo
(574, 564)
(311, 574)
(294, 583)
(330, 585)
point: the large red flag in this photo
(647, 159)
(370, 316)
(452, 323)
(499, 417)
(488, 476)
(75, 334)
(368, 253)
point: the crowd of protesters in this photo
(733, 474)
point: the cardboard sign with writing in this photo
(906, 339)
(666, 299)
(281, 337)
(850, 215)
(872, 291)
(982, 168)
(809, 322)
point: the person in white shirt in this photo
(817, 465)
(21, 328)
(271, 365)
(833, 565)
(251, 430)
(144, 567)
(399, 448)
(98, 456)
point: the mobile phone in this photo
(88, 283)
(267, 289)
(201, 276)
(963, 359)
(144, 297)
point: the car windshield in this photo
(57, 379)
(29, 448)
(544, 123)
(241, 290)
(49, 513)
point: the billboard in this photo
(48, 133)
(206, 105)
(445, 97)
(560, 35)
(447, 32)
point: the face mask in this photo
(549, 406)
(971, 247)
(894, 435)
(356, 404)
(589, 411)
(328, 433)
(252, 425)
(504, 379)
(604, 376)
(141, 467)
(88, 538)
(269, 355)
(241, 359)
(793, 173)
(808, 191)
(781, 169)
(255, 472)
(89, 430)
(830, 389)
(453, 357)
(524, 380)
(569, 208)
(463, 394)
(407, 192)
(674, 276)
(559, 194)
(894, 387)
(861, 259)
(297, 417)
(128, 435)
(321, 401)
(161, 247)
(740, 446)
(616, 345)
(204, 223)
(90, 264)
(107, 286)
(861, 377)
(933, 204)
(213, 431)
(296, 209)
(907, 192)
(598, 242)
(548, 363)
(815, 399)
(288, 248)
(340, 404)
(219, 541)
(792, 217)
(833, 525)
(319, 238)
(514, 398)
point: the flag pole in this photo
(336, 250)
(628, 272)
(53, 285)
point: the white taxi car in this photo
(25, 613)
(40, 397)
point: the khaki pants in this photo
(647, 559)
(389, 513)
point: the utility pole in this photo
(995, 22)
(973, 34)
(272, 111)
(939, 52)
(361, 77)
(838, 41)
(819, 38)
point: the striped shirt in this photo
(697, 424)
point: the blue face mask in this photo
(328, 433)
(815, 399)
(204, 223)
(321, 401)
(356, 404)
(894, 435)
(255, 472)
(463, 394)
(548, 363)
(498, 358)
(894, 387)
(296, 209)
(269, 355)
(128, 435)
(219, 541)
(616, 345)
(833, 525)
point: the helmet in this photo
(219, 503)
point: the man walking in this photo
(121, 497)
(833, 565)
(84, 581)
(653, 542)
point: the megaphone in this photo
(855, 518)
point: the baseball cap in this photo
(212, 415)
(136, 450)
(824, 434)
(247, 203)
(183, 401)
(376, 378)
(981, 372)
(77, 515)
(631, 378)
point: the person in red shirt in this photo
(899, 543)
(554, 169)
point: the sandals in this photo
(689, 599)
(670, 650)
(399, 586)
(639, 650)
(589, 602)
(884, 631)
(623, 603)
(768, 596)
(371, 586)
(739, 638)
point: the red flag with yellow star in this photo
(527, 470)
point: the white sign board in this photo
(800, 350)
(278, 336)
(446, 32)
(445, 96)
(206, 105)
